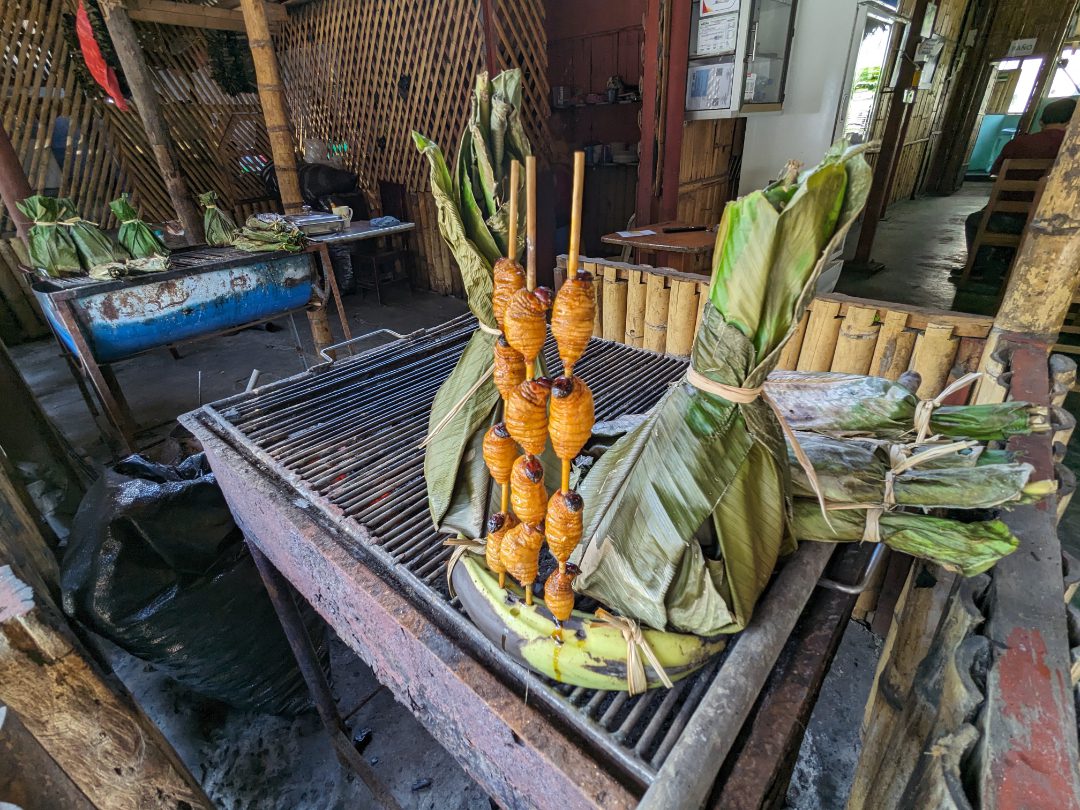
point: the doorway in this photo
(1008, 92)
(866, 71)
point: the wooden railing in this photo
(659, 309)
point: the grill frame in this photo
(221, 421)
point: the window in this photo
(1067, 76)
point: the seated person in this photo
(1043, 144)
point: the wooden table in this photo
(687, 250)
(361, 230)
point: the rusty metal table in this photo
(324, 475)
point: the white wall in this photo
(815, 82)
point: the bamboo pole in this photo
(530, 224)
(634, 334)
(13, 184)
(272, 98)
(1043, 279)
(615, 293)
(515, 181)
(126, 44)
(572, 265)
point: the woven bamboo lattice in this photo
(74, 144)
(362, 75)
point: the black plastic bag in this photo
(156, 565)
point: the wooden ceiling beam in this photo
(167, 12)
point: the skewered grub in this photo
(527, 416)
(571, 420)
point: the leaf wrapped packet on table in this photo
(52, 250)
(130, 267)
(473, 203)
(269, 232)
(218, 225)
(135, 235)
(851, 404)
(712, 451)
(94, 247)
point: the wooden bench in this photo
(659, 309)
(1005, 186)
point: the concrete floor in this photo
(920, 242)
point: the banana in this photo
(593, 654)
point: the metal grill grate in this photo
(347, 436)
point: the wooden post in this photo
(13, 184)
(272, 98)
(126, 43)
(1043, 279)
(108, 748)
(890, 139)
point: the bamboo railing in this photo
(659, 309)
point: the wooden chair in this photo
(1006, 186)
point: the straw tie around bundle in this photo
(744, 396)
(925, 409)
(636, 646)
(901, 460)
(461, 545)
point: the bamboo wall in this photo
(708, 168)
(659, 309)
(365, 74)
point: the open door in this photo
(874, 29)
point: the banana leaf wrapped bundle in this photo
(473, 204)
(719, 455)
(218, 225)
(129, 267)
(51, 247)
(854, 472)
(968, 548)
(846, 404)
(135, 235)
(269, 232)
(91, 243)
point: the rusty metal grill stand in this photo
(324, 474)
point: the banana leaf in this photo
(841, 404)
(218, 225)
(51, 247)
(473, 221)
(854, 472)
(135, 235)
(967, 548)
(697, 454)
(91, 243)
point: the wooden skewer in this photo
(505, 498)
(575, 215)
(502, 580)
(528, 594)
(573, 259)
(530, 222)
(515, 181)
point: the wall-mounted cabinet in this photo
(739, 51)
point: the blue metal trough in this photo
(206, 291)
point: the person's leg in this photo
(971, 226)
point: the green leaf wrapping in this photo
(135, 235)
(93, 246)
(850, 471)
(51, 247)
(851, 403)
(474, 222)
(697, 454)
(218, 225)
(968, 548)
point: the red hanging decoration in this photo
(102, 73)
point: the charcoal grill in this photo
(324, 474)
